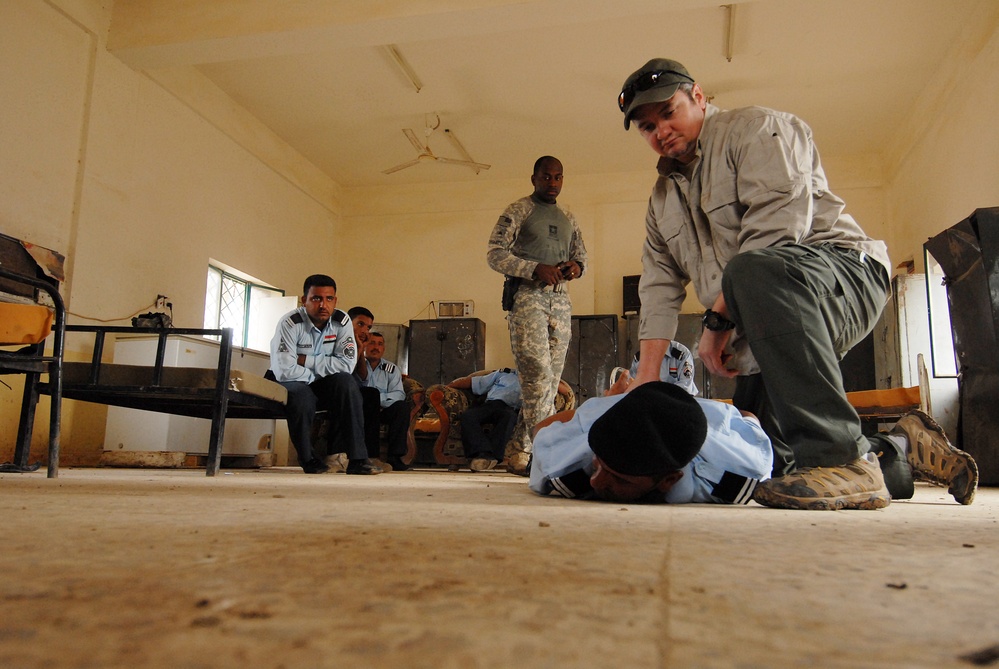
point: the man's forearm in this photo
(651, 354)
(464, 382)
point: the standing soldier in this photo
(537, 245)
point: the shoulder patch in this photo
(387, 366)
(340, 317)
(296, 318)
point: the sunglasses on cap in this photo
(644, 83)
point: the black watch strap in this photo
(714, 321)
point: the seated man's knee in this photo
(301, 395)
(337, 382)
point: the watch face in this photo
(715, 321)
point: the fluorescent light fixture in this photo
(404, 66)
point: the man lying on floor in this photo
(656, 443)
(660, 444)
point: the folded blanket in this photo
(24, 323)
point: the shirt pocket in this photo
(721, 205)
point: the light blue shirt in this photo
(677, 367)
(387, 378)
(503, 385)
(326, 351)
(735, 444)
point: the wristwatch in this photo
(714, 321)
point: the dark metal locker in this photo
(592, 355)
(443, 349)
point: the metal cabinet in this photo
(395, 344)
(443, 349)
(592, 355)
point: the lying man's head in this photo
(641, 443)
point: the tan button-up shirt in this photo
(756, 182)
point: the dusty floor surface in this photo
(158, 568)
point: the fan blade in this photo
(416, 142)
(466, 163)
(414, 161)
(458, 145)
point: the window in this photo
(239, 302)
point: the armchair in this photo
(447, 404)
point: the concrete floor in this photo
(168, 568)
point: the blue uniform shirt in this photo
(735, 456)
(677, 367)
(503, 385)
(387, 378)
(327, 351)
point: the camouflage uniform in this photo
(528, 233)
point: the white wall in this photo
(102, 164)
(952, 166)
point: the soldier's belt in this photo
(534, 284)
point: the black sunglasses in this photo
(644, 83)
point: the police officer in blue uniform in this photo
(312, 355)
(393, 407)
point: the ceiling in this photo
(514, 80)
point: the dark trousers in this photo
(337, 394)
(372, 400)
(476, 442)
(395, 415)
(801, 309)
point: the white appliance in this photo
(137, 430)
(902, 334)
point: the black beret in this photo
(655, 429)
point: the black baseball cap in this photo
(656, 81)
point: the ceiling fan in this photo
(425, 155)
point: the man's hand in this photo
(570, 270)
(301, 360)
(711, 348)
(620, 386)
(711, 351)
(549, 274)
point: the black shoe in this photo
(362, 467)
(315, 466)
(397, 464)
